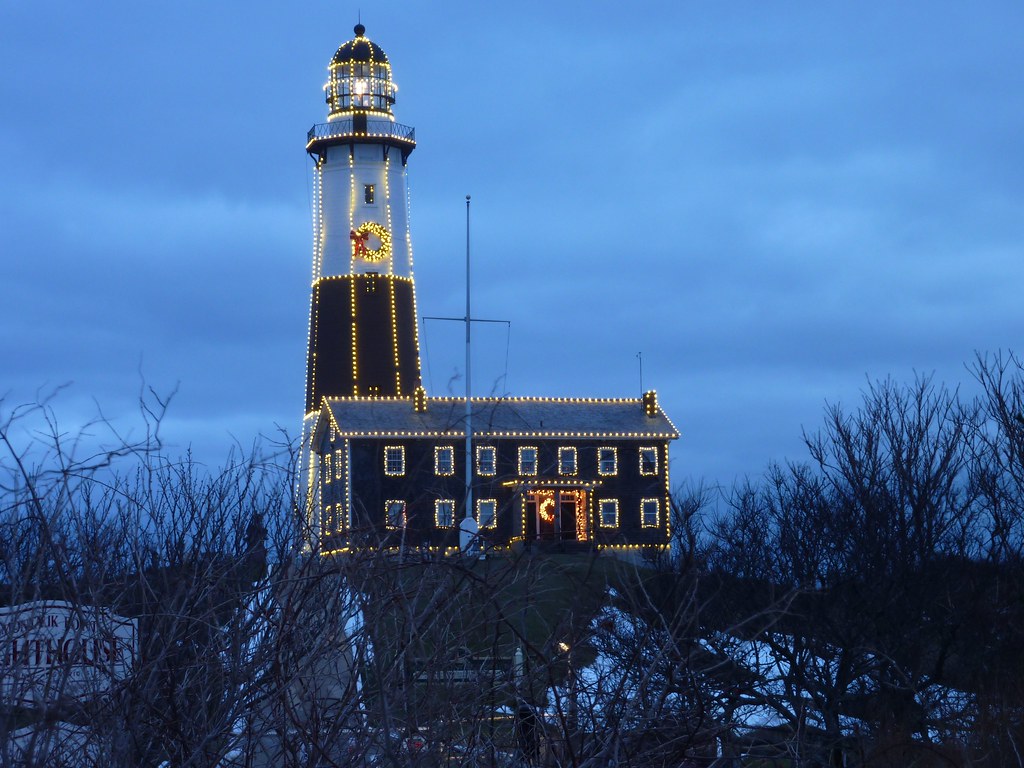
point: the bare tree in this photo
(998, 586)
(863, 605)
(255, 651)
(854, 546)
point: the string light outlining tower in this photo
(362, 336)
(363, 339)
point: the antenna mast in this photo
(469, 385)
(468, 529)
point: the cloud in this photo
(771, 203)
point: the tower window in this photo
(648, 461)
(527, 460)
(394, 460)
(609, 513)
(444, 513)
(485, 460)
(486, 513)
(444, 460)
(649, 513)
(395, 513)
(334, 519)
(368, 195)
(607, 461)
(567, 461)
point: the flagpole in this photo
(468, 528)
(469, 388)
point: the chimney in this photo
(651, 403)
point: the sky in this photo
(774, 203)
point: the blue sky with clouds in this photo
(774, 202)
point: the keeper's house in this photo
(582, 474)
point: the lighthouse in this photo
(362, 320)
(379, 458)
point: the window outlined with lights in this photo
(444, 513)
(395, 514)
(487, 513)
(444, 460)
(648, 461)
(650, 513)
(609, 513)
(527, 460)
(339, 464)
(336, 518)
(607, 461)
(328, 469)
(486, 460)
(394, 460)
(567, 460)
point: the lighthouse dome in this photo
(360, 78)
(360, 48)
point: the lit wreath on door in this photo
(361, 235)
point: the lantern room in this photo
(360, 79)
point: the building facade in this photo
(385, 465)
(582, 474)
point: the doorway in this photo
(556, 515)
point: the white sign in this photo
(52, 650)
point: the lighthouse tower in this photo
(362, 323)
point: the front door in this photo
(556, 515)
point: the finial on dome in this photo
(359, 29)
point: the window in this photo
(609, 513)
(444, 513)
(334, 519)
(339, 464)
(368, 194)
(567, 461)
(607, 461)
(328, 472)
(649, 513)
(444, 460)
(485, 460)
(394, 460)
(395, 513)
(486, 513)
(648, 461)
(527, 460)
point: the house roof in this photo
(622, 418)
